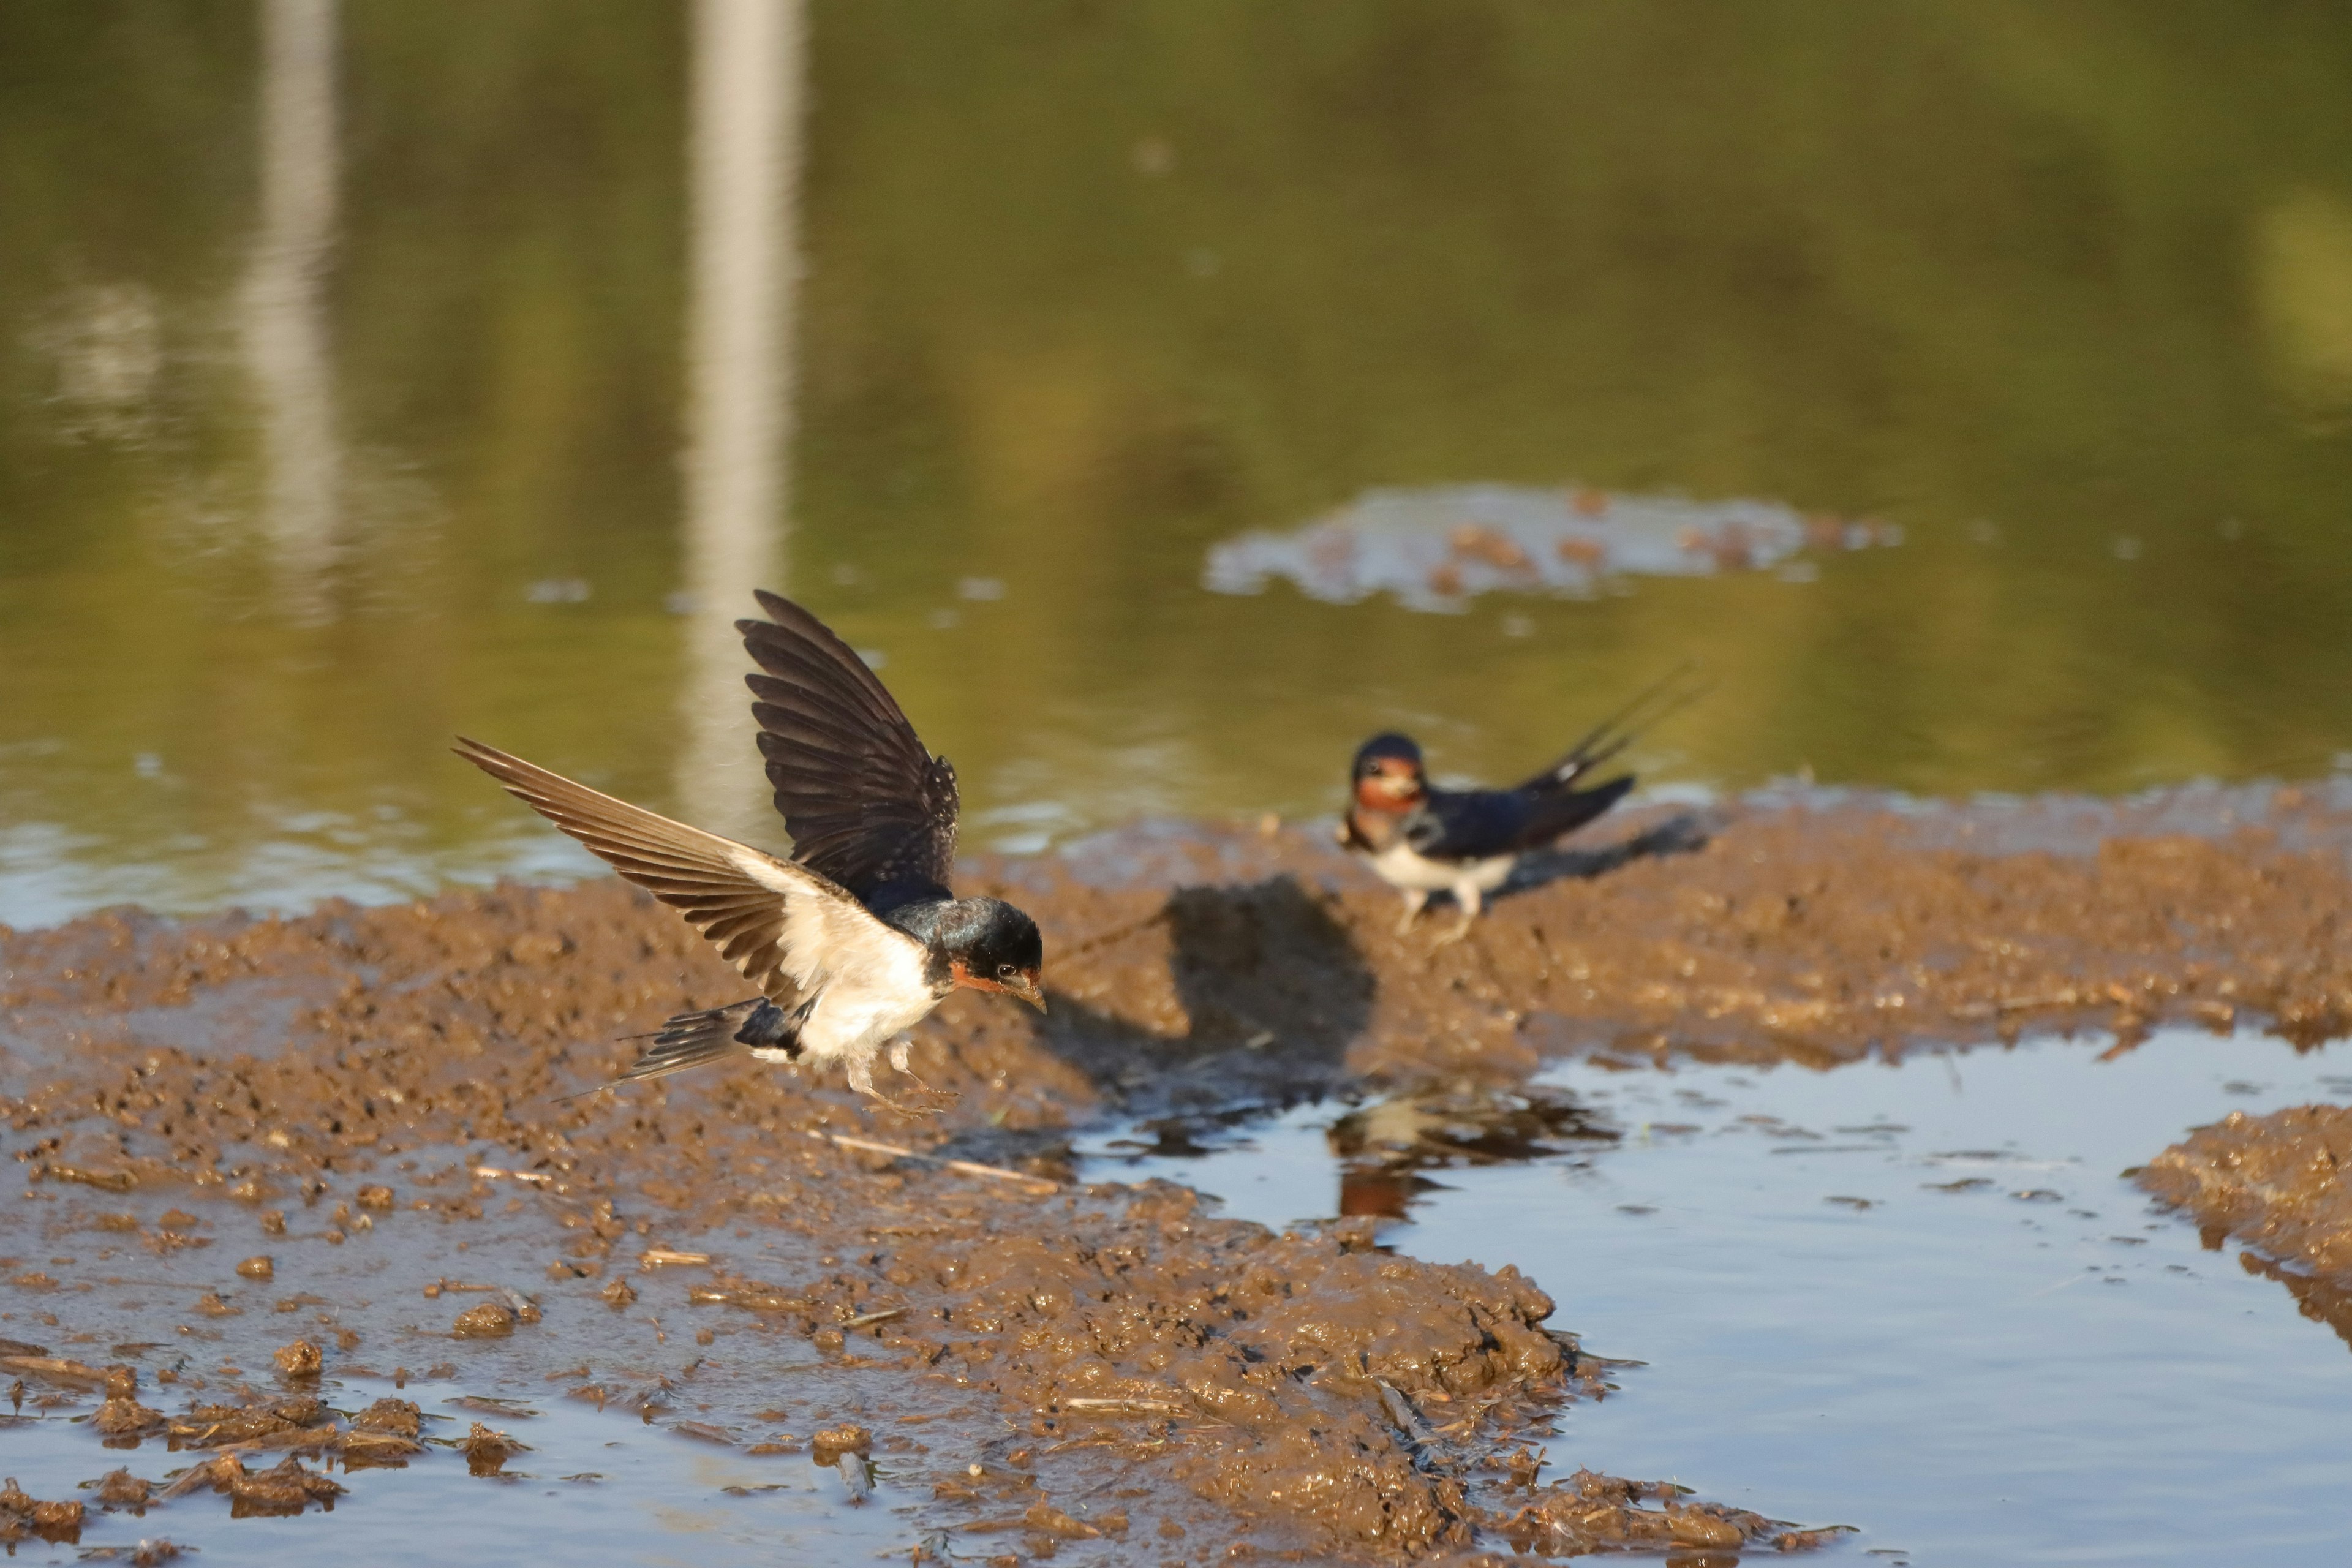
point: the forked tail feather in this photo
(1650, 707)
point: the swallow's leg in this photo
(1414, 898)
(902, 1052)
(861, 1079)
(1466, 895)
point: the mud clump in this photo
(396, 1417)
(385, 1435)
(126, 1417)
(121, 1488)
(2274, 1182)
(280, 1424)
(260, 1267)
(489, 1320)
(827, 1446)
(21, 1513)
(283, 1489)
(1587, 1513)
(2277, 1184)
(301, 1359)
(487, 1451)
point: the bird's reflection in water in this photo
(1186, 1137)
(1383, 1146)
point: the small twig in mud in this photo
(1124, 1406)
(654, 1256)
(867, 1320)
(492, 1173)
(1407, 1418)
(1039, 1184)
(57, 1369)
(2067, 998)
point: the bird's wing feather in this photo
(866, 803)
(781, 925)
(1467, 824)
(1557, 814)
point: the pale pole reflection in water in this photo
(287, 344)
(745, 150)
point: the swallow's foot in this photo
(861, 1081)
(937, 1099)
(908, 1108)
(1461, 930)
(901, 1062)
(1412, 906)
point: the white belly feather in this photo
(861, 1007)
(1401, 866)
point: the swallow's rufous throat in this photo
(1421, 840)
(857, 936)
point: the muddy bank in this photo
(1757, 934)
(2275, 1182)
(343, 1129)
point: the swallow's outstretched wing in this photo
(783, 925)
(866, 805)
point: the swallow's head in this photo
(1387, 776)
(992, 946)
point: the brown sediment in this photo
(22, 1514)
(300, 1359)
(2275, 1182)
(1770, 936)
(386, 1082)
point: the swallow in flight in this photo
(854, 938)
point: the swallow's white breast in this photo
(873, 987)
(1401, 866)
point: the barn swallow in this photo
(856, 937)
(1421, 840)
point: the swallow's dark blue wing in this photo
(1473, 824)
(866, 803)
(1468, 825)
(1559, 811)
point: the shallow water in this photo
(1916, 1299)
(594, 1487)
(373, 373)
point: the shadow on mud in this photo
(1687, 833)
(1272, 991)
(1271, 988)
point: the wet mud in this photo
(2276, 1183)
(276, 1169)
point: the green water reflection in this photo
(2065, 292)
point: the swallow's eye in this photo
(1006, 971)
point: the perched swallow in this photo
(1466, 842)
(856, 937)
